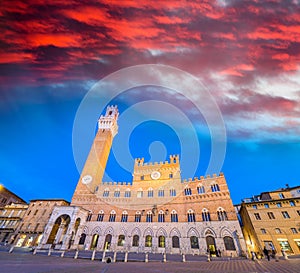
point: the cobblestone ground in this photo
(28, 263)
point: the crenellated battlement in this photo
(174, 159)
(116, 183)
(201, 178)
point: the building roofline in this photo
(12, 193)
(49, 199)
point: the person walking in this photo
(266, 253)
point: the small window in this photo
(150, 192)
(266, 206)
(254, 206)
(142, 177)
(149, 217)
(278, 230)
(222, 215)
(106, 193)
(294, 230)
(191, 216)
(278, 205)
(172, 192)
(271, 215)
(89, 217)
(170, 175)
(215, 187)
(174, 216)
(127, 193)
(161, 193)
(140, 193)
(117, 193)
(100, 216)
(205, 215)
(161, 216)
(281, 196)
(112, 216)
(257, 216)
(298, 211)
(263, 231)
(124, 217)
(187, 191)
(200, 189)
(292, 203)
(285, 214)
(137, 217)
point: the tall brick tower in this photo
(94, 167)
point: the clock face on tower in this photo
(87, 179)
(155, 175)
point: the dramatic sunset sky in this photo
(246, 53)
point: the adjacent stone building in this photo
(7, 197)
(10, 218)
(37, 215)
(156, 212)
(272, 220)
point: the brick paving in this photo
(28, 263)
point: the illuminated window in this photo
(121, 240)
(148, 241)
(161, 241)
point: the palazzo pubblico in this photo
(156, 212)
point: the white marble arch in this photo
(96, 230)
(136, 231)
(161, 231)
(174, 232)
(225, 231)
(192, 232)
(109, 230)
(208, 232)
(148, 231)
(85, 230)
